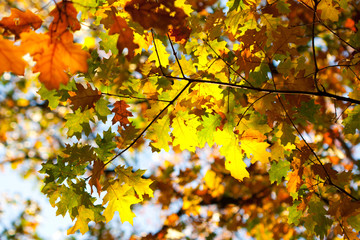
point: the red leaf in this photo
(126, 36)
(64, 18)
(121, 114)
(98, 169)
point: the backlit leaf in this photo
(120, 198)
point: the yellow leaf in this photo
(159, 133)
(213, 182)
(184, 6)
(161, 51)
(185, 133)
(328, 11)
(135, 180)
(232, 152)
(84, 217)
(257, 150)
(120, 198)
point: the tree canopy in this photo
(250, 108)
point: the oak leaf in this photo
(231, 150)
(84, 217)
(120, 198)
(135, 180)
(84, 98)
(126, 36)
(54, 58)
(121, 114)
(11, 58)
(97, 171)
(160, 15)
(20, 21)
(64, 15)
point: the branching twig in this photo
(316, 156)
(227, 64)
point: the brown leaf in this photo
(324, 170)
(159, 15)
(121, 114)
(84, 97)
(98, 169)
(64, 15)
(20, 21)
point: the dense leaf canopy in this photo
(249, 107)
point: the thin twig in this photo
(316, 156)
(227, 64)
(140, 98)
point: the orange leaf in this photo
(20, 21)
(64, 15)
(121, 114)
(85, 97)
(98, 169)
(55, 57)
(11, 58)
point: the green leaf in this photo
(77, 121)
(233, 4)
(108, 42)
(294, 213)
(354, 221)
(317, 220)
(282, 6)
(102, 109)
(351, 123)
(105, 145)
(50, 95)
(86, 6)
(279, 170)
(307, 111)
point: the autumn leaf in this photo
(159, 133)
(11, 58)
(126, 36)
(84, 98)
(120, 198)
(54, 58)
(97, 171)
(184, 131)
(160, 15)
(252, 143)
(84, 217)
(135, 179)
(20, 21)
(121, 114)
(230, 149)
(328, 10)
(64, 15)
